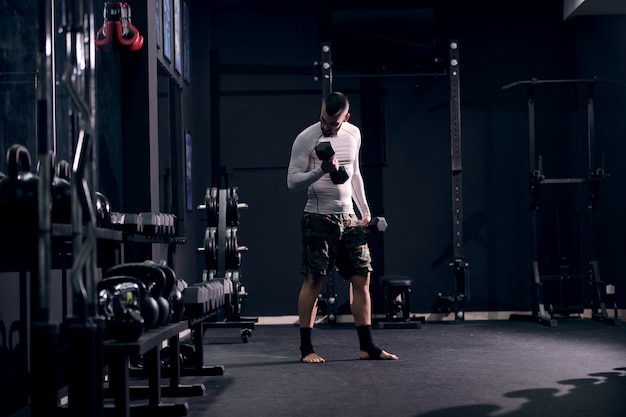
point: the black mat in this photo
(468, 369)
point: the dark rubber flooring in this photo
(465, 369)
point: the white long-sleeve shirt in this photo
(325, 197)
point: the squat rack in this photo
(539, 311)
(455, 301)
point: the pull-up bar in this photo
(535, 81)
(323, 71)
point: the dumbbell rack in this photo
(222, 205)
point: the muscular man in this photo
(332, 235)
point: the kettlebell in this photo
(166, 360)
(171, 292)
(103, 210)
(63, 170)
(153, 279)
(188, 352)
(178, 305)
(61, 194)
(102, 204)
(128, 324)
(105, 303)
(148, 307)
(18, 190)
(127, 306)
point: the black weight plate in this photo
(210, 205)
(210, 248)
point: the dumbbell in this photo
(325, 151)
(377, 225)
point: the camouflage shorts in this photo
(337, 239)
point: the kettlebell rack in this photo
(542, 313)
(77, 248)
(81, 342)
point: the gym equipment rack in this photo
(449, 302)
(78, 247)
(541, 313)
(222, 253)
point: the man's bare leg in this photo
(361, 307)
(307, 311)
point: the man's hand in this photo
(365, 220)
(331, 165)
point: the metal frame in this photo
(459, 265)
(84, 330)
(461, 293)
(539, 312)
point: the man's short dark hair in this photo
(336, 102)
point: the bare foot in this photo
(312, 358)
(383, 355)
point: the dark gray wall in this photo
(252, 90)
(260, 114)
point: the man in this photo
(332, 235)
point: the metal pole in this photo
(327, 70)
(461, 268)
(85, 383)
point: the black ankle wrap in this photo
(366, 344)
(306, 347)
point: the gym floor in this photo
(464, 369)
